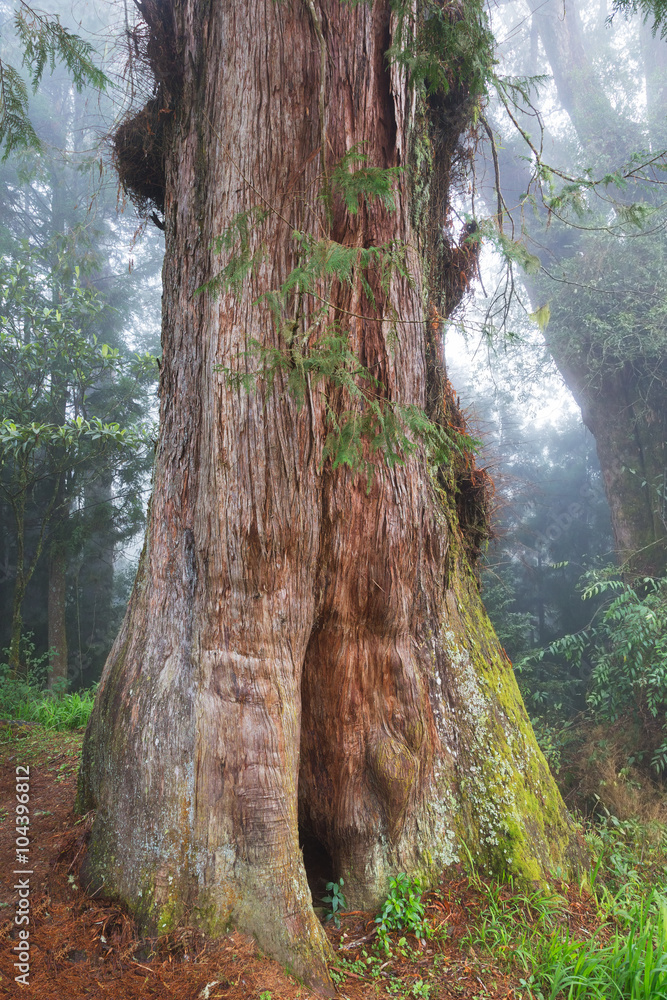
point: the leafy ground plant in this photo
(26, 699)
(490, 940)
(626, 643)
(402, 910)
(335, 901)
(632, 965)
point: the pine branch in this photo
(16, 130)
(655, 9)
(44, 42)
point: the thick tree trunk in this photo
(302, 656)
(627, 415)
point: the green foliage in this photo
(379, 428)
(443, 48)
(317, 259)
(552, 688)
(365, 965)
(328, 261)
(391, 431)
(50, 373)
(553, 738)
(24, 697)
(627, 958)
(627, 646)
(34, 672)
(18, 440)
(611, 313)
(46, 363)
(16, 129)
(311, 352)
(628, 858)
(242, 260)
(335, 901)
(402, 910)
(327, 359)
(656, 10)
(364, 183)
(44, 41)
(512, 920)
(631, 965)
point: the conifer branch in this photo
(44, 42)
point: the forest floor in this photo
(82, 948)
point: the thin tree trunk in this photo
(302, 655)
(20, 581)
(57, 629)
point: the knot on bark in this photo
(395, 770)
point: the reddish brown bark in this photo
(300, 656)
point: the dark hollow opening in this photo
(319, 868)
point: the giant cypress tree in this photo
(305, 653)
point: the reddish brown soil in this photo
(81, 948)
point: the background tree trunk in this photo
(56, 611)
(623, 403)
(301, 657)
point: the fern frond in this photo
(364, 183)
(44, 40)
(242, 260)
(16, 130)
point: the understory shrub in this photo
(26, 698)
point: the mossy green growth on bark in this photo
(512, 817)
(421, 165)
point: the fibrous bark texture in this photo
(305, 654)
